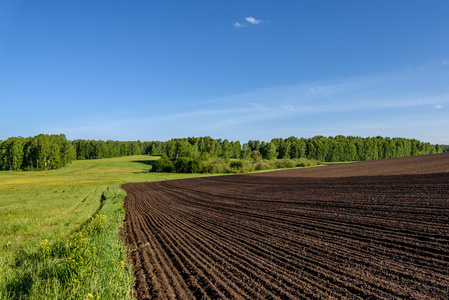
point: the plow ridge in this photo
(294, 234)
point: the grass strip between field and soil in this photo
(60, 230)
(89, 263)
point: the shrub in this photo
(205, 164)
(285, 163)
(216, 166)
(188, 165)
(303, 162)
(237, 164)
(182, 165)
(263, 165)
(164, 164)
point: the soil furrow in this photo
(364, 230)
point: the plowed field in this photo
(369, 230)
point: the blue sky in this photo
(240, 70)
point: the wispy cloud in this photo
(351, 94)
(444, 62)
(385, 104)
(250, 20)
(253, 21)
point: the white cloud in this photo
(250, 20)
(253, 21)
(438, 106)
(445, 62)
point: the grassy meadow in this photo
(59, 229)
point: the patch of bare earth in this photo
(368, 230)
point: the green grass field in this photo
(59, 229)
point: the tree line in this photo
(41, 152)
(342, 148)
(326, 149)
(93, 149)
(44, 152)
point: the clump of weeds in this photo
(83, 265)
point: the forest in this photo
(45, 152)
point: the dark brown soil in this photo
(369, 230)
(424, 164)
